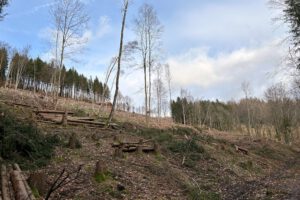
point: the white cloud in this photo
(103, 26)
(199, 71)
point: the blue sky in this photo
(211, 46)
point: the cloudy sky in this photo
(211, 46)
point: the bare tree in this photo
(70, 20)
(168, 77)
(124, 10)
(148, 31)
(160, 91)
(247, 91)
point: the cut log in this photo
(130, 143)
(148, 149)
(129, 149)
(53, 112)
(102, 124)
(242, 150)
(18, 185)
(83, 118)
(19, 104)
(28, 189)
(145, 149)
(5, 184)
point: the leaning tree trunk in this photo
(119, 64)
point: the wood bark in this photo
(5, 184)
(18, 185)
(28, 189)
(53, 112)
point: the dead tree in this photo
(125, 8)
(148, 32)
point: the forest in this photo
(127, 99)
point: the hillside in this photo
(189, 164)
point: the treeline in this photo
(37, 75)
(278, 114)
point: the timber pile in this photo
(11, 103)
(14, 184)
(146, 146)
(65, 117)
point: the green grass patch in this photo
(102, 177)
(35, 192)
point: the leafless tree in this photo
(247, 91)
(70, 20)
(281, 111)
(160, 91)
(124, 10)
(148, 32)
(168, 77)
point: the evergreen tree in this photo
(3, 64)
(292, 18)
(3, 3)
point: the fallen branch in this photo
(242, 150)
(63, 179)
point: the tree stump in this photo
(140, 146)
(100, 168)
(38, 181)
(64, 120)
(119, 151)
(156, 147)
(74, 143)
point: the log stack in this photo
(14, 184)
(142, 146)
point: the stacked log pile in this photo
(66, 117)
(141, 146)
(14, 185)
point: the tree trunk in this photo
(119, 64)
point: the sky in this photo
(212, 46)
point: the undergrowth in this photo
(21, 142)
(190, 149)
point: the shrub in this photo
(22, 143)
